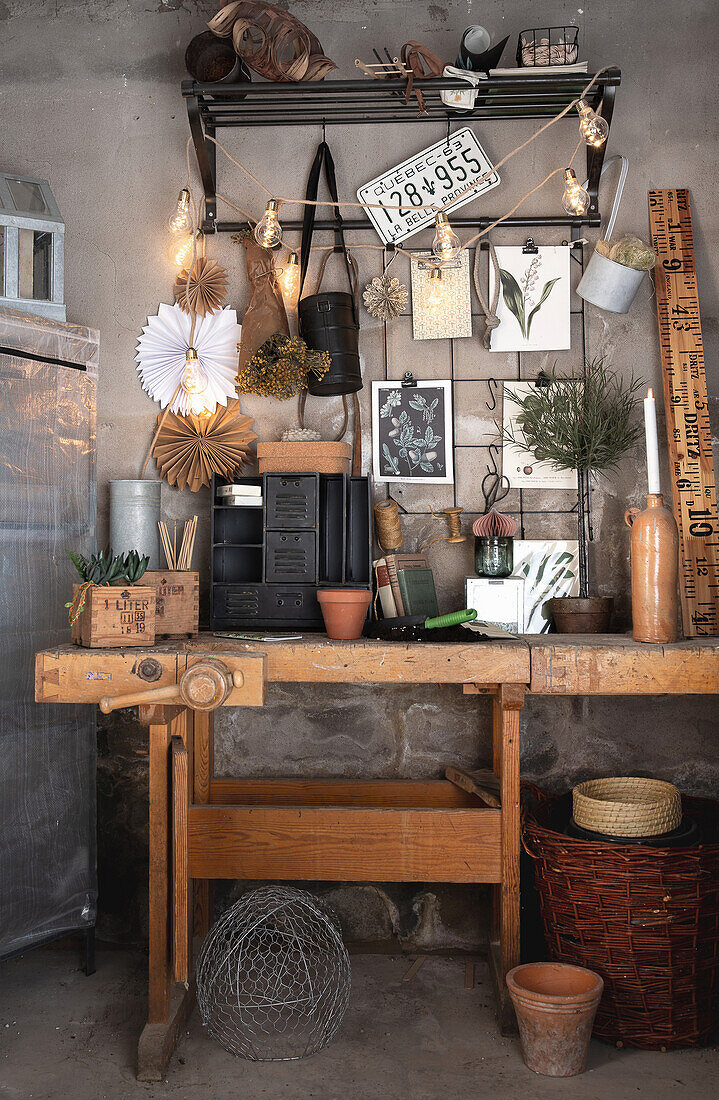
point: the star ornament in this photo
(385, 297)
(188, 450)
(162, 356)
(206, 289)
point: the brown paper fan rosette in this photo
(189, 449)
(206, 290)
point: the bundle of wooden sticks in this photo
(184, 559)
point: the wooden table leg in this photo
(169, 1004)
(504, 942)
(203, 768)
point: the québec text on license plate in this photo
(437, 175)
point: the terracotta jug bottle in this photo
(655, 571)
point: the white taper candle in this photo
(650, 429)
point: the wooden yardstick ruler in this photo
(685, 399)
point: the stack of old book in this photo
(405, 584)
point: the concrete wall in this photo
(90, 99)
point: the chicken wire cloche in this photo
(273, 976)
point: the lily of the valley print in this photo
(533, 305)
(412, 432)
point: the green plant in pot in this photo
(584, 423)
(104, 569)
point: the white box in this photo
(498, 600)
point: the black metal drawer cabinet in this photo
(267, 562)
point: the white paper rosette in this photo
(161, 355)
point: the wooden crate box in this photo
(116, 616)
(177, 600)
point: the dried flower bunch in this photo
(280, 368)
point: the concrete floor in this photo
(65, 1035)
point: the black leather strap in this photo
(323, 157)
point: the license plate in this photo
(436, 175)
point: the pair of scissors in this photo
(495, 486)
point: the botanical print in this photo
(519, 297)
(412, 432)
(521, 468)
(533, 306)
(550, 567)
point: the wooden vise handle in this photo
(203, 686)
(168, 694)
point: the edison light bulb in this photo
(194, 383)
(575, 199)
(181, 217)
(268, 231)
(446, 244)
(435, 292)
(290, 277)
(180, 251)
(593, 128)
(200, 406)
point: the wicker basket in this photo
(645, 919)
(627, 806)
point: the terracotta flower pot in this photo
(344, 610)
(581, 615)
(555, 1005)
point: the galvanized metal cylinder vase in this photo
(134, 515)
(655, 571)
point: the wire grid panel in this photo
(524, 372)
(273, 976)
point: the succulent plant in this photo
(106, 569)
(134, 566)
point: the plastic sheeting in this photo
(48, 879)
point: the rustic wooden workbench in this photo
(202, 828)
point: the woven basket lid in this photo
(627, 806)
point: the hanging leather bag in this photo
(329, 320)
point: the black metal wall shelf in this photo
(267, 562)
(359, 102)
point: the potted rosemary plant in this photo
(583, 423)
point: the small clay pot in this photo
(581, 614)
(344, 610)
(555, 1005)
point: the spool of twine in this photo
(387, 525)
(453, 517)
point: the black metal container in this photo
(327, 323)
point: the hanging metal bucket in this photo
(609, 285)
(134, 515)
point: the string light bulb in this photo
(290, 276)
(575, 199)
(194, 382)
(181, 217)
(180, 251)
(446, 244)
(435, 292)
(268, 231)
(593, 128)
